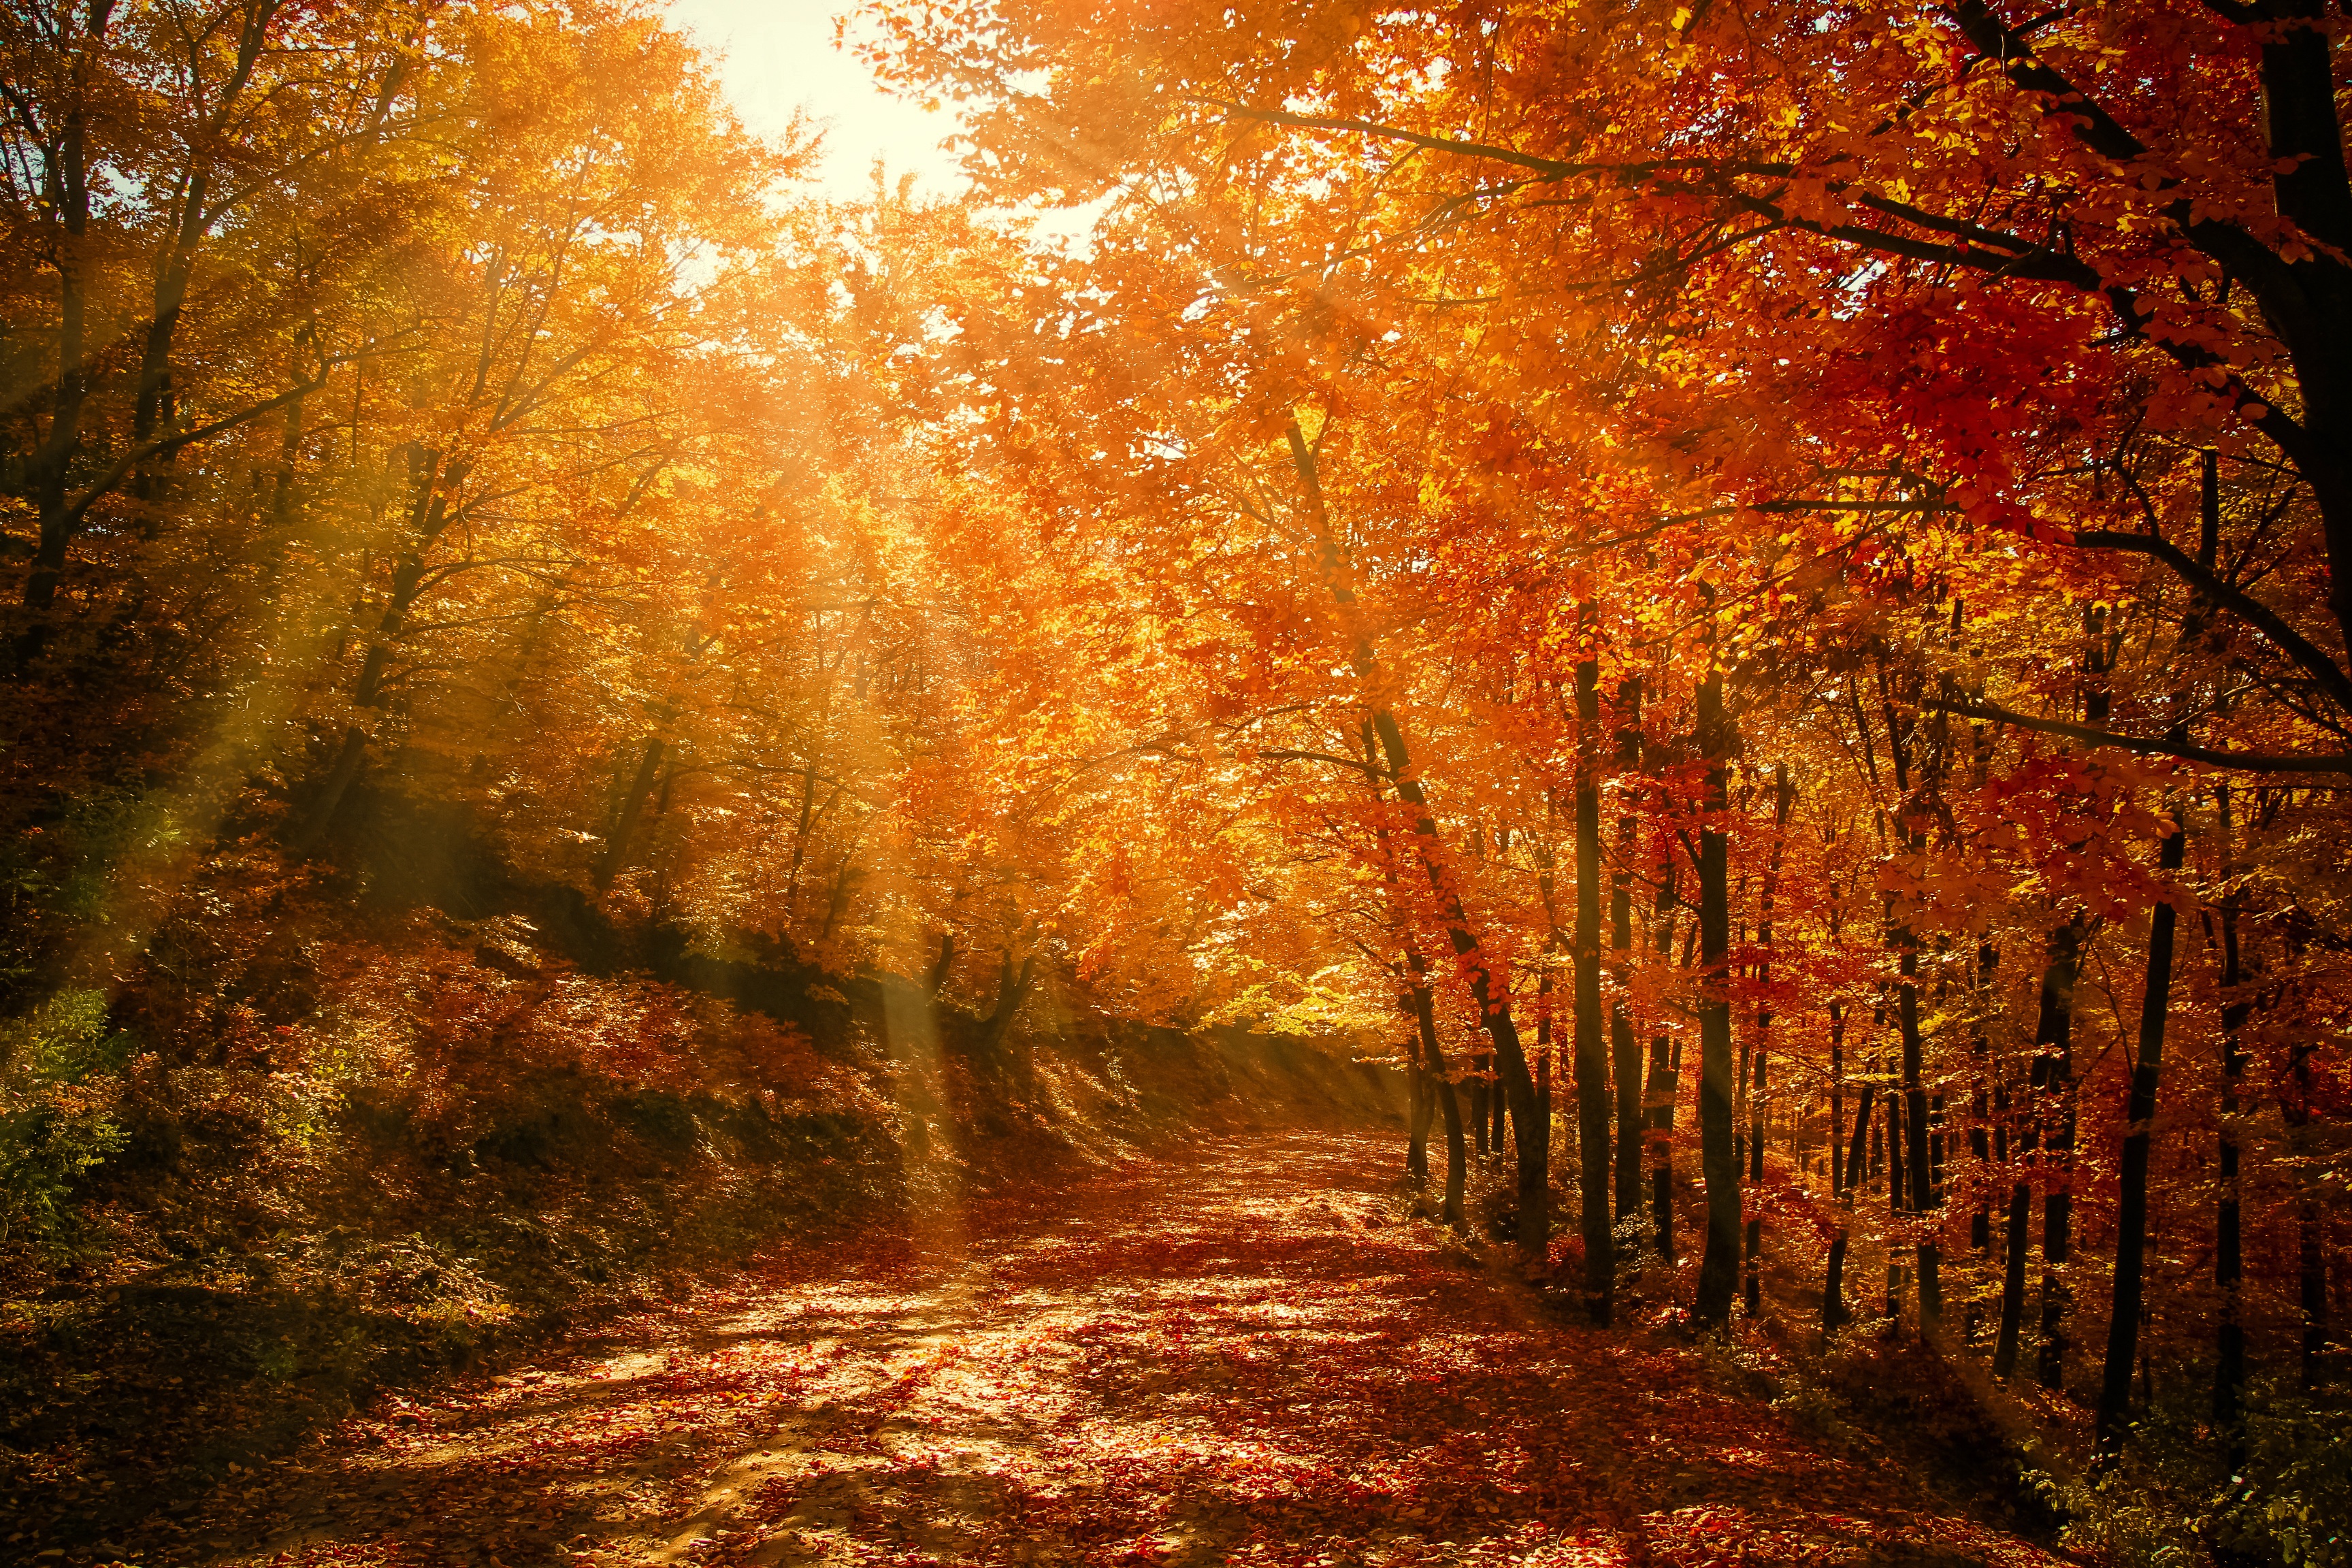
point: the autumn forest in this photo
(1500, 783)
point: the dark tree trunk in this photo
(1666, 1081)
(624, 820)
(1920, 1182)
(2228, 1260)
(2057, 1039)
(1980, 1121)
(1784, 796)
(1449, 1105)
(1719, 1265)
(1624, 1049)
(1592, 1044)
(1488, 991)
(2018, 1234)
(2131, 1221)
(430, 513)
(1899, 1205)
(1424, 1110)
(2311, 1256)
(1845, 1171)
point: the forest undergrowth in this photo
(321, 1148)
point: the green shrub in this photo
(2164, 1503)
(55, 1123)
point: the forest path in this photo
(1234, 1355)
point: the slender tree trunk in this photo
(429, 514)
(2311, 1256)
(1981, 1123)
(624, 820)
(1845, 1174)
(1665, 1086)
(2057, 1203)
(1784, 796)
(1592, 1044)
(1449, 1105)
(2228, 1260)
(49, 472)
(1719, 1265)
(1424, 1110)
(1899, 1205)
(2016, 1234)
(2131, 1223)
(1920, 1184)
(1624, 1049)
(1488, 991)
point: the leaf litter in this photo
(1234, 1355)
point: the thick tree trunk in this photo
(1719, 1265)
(1592, 1044)
(2131, 1221)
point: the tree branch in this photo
(2264, 619)
(2245, 762)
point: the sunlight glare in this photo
(776, 56)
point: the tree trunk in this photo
(1489, 991)
(1784, 796)
(2311, 1258)
(1846, 1174)
(1920, 1182)
(1665, 1085)
(48, 473)
(1592, 1044)
(1719, 1265)
(1424, 1108)
(1012, 990)
(2018, 1234)
(624, 820)
(1980, 1126)
(1625, 1051)
(2228, 1260)
(1457, 1156)
(2131, 1221)
(2057, 1039)
(1898, 1204)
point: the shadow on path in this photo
(1234, 1357)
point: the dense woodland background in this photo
(1755, 597)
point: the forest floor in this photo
(1236, 1354)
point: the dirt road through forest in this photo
(1234, 1356)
